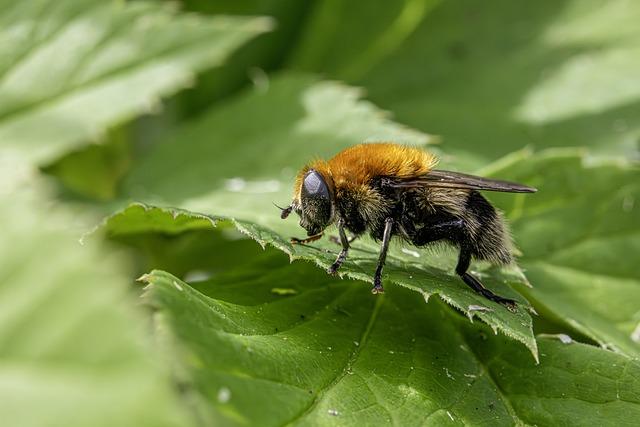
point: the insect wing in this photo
(448, 179)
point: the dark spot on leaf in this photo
(458, 50)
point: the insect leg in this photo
(461, 269)
(345, 249)
(386, 237)
(296, 241)
(336, 240)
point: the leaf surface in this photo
(74, 350)
(69, 70)
(328, 352)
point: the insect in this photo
(390, 190)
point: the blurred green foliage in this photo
(204, 111)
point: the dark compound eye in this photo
(314, 185)
(316, 202)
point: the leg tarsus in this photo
(461, 269)
(475, 284)
(296, 241)
(377, 285)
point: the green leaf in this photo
(255, 143)
(250, 63)
(69, 70)
(404, 267)
(95, 170)
(491, 79)
(294, 121)
(366, 35)
(330, 352)
(74, 350)
(579, 236)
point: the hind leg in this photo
(454, 231)
(461, 269)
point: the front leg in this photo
(386, 238)
(344, 241)
(296, 241)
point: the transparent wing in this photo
(448, 179)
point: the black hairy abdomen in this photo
(477, 229)
(491, 241)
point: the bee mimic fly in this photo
(389, 190)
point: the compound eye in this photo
(316, 201)
(314, 186)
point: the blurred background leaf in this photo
(250, 63)
(365, 35)
(546, 73)
(70, 70)
(494, 77)
(74, 350)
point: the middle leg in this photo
(386, 238)
(454, 231)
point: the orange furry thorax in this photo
(358, 165)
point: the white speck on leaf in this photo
(410, 252)
(333, 412)
(450, 416)
(177, 285)
(635, 335)
(240, 185)
(473, 308)
(235, 184)
(356, 343)
(448, 374)
(197, 276)
(563, 338)
(284, 291)
(224, 395)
